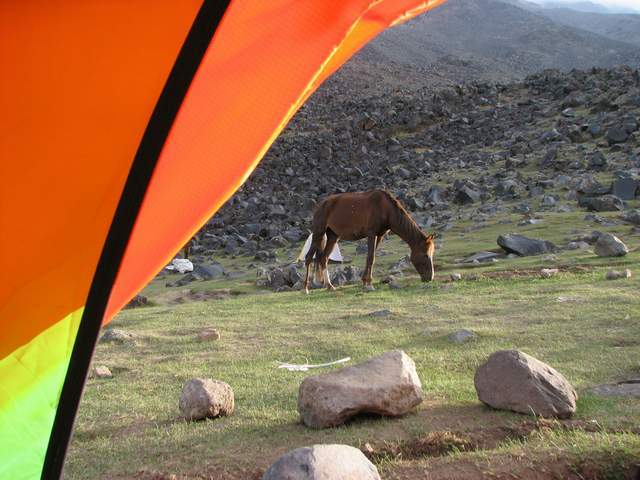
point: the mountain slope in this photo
(492, 40)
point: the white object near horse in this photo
(336, 256)
(303, 367)
(181, 265)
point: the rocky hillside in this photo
(548, 142)
(493, 40)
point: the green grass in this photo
(581, 324)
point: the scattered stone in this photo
(624, 188)
(632, 216)
(482, 257)
(138, 301)
(616, 135)
(523, 246)
(118, 336)
(609, 245)
(209, 334)
(598, 161)
(462, 336)
(387, 385)
(513, 380)
(392, 281)
(465, 195)
(322, 462)
(455, 276)
(627, 388)
(206, 398)
(580, 245)
(102, 372)
(604, 203)
(548, 272)
(380, 313)
(616, 275)
(208, 272)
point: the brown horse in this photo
(352, 216)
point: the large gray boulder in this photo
(513, 380)
(609, 245)
(387, 384)
(206, 398)
(524, 246)
(322, 462)
(604, 203)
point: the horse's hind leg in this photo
(372, 241)
(315, 247)
(332, 239)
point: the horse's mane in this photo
(406, 223)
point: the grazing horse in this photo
(352, 216)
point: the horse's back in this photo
(352, 215)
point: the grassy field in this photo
(583, 325)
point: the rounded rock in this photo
(322, 462)
(206, 398)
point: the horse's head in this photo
(422, 257)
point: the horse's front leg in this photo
(371, 257)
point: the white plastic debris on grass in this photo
(303, 367)
(336, 256)
(180, 265)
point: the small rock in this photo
(616, 275)
(102, 372)
(609, 245)
(392, 282)
(322, 462)
(380, 313)
(632, 216)
(513, 380)
(138, 301)
(462, 336)
(624, 188)
(616, 135)
(455, 276)
(206, 398)
(481, 257)
(118, 336)
(208, 272)
(209, 334)
(466, 195)
(579, 245)
(387, 385)
(548, 272)
(629, 388)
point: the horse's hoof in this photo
(331, 288)
(306, 291)
(368, 288)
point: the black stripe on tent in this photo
(162, 118)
